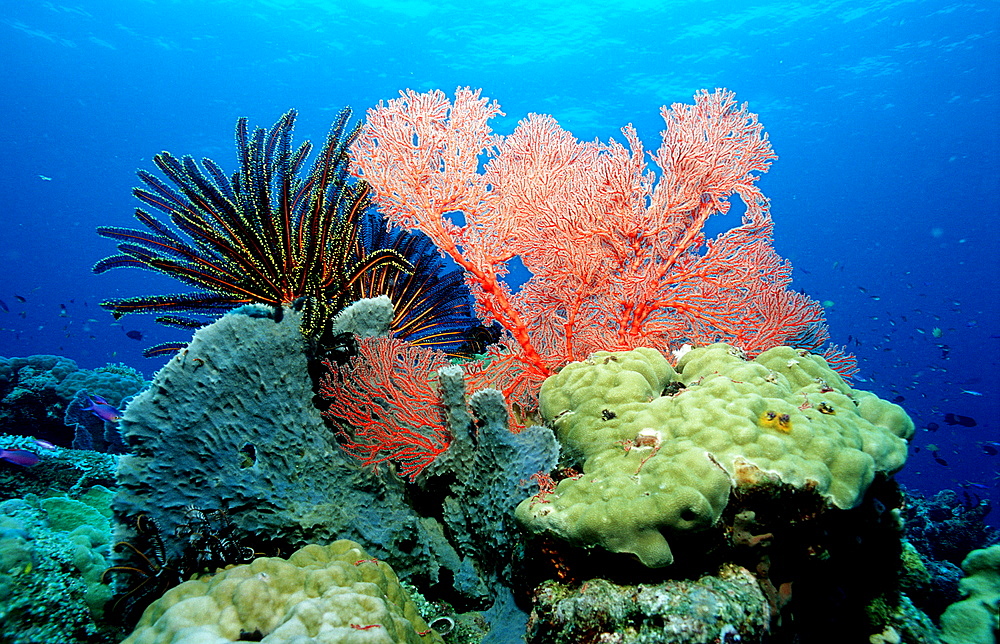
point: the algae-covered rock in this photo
(661, 448)
(727, 607)
(334, 594)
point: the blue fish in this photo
(102, 409)
(19, 457)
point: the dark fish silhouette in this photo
(990, 448)
(135, 335)
(898, 399)
(964, 421)
(3, 305)
(940, 461)
(932, 427)
(20, 299)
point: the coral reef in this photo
(59, 470)
(404, 404)
(486, 471)
(36, 391)
(53, 552)
(230, 424)
(617, 255)
(90, 431)
(661, 449)
(949, 525)
(335, 594)
(943, 529)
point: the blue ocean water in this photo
(884, 116)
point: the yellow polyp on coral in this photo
(774, 420)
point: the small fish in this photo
(956, 419)
(898, 399)
(19, 457)
(3, 305)
(44, 178)
(990, 449)
(102, 409)
(135, 335)
(44, 444)
(975, 485)
(20, 298)
(940, 461)
(971, 393)
(933, 427)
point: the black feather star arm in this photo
(205, 303)
(162, 349)
(433, 305)
(179, 322)
(270, 233)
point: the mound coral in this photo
(661, 449)
(974, 620)
(335, 594)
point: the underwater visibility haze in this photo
(825, 184)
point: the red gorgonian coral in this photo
(617, 255)
(388, 398)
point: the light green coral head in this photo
(661, 448)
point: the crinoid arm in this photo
(200, 302)
(270, 233)
(433, 306)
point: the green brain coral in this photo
(332, 594)
(662, 448)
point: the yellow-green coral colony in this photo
(323, 594)
(660, 457)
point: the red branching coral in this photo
(389, 399)
(618, 256)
